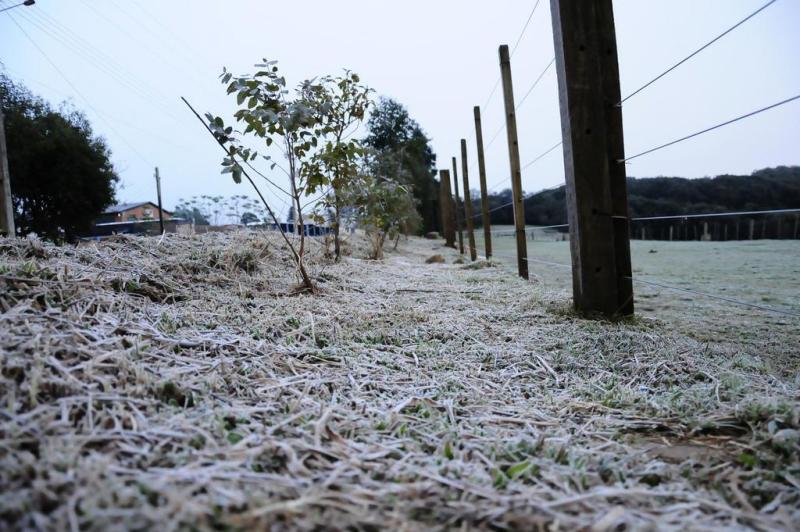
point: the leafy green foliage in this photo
(61, 172)
(402, 152)
(384, 208)
(341, 104)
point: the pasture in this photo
(763, 272)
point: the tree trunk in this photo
(337, 252)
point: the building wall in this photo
(142, 212)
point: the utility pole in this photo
(160, 211)
(6, 206)
(458, 200)
(487, 230)
(473, 253)
(513, 157)
(591, 125)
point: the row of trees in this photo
(61, 172)
(766, 189)
(308, 134)
(214, 210)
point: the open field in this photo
(177, 384)
(763, 272)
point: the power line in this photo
(64, 36)
(86, 100)
(709, 43)
(687, 137)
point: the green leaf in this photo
(519, 469)
(448, 451)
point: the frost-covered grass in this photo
(178, 384)
(763, 272)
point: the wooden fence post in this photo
(446, 201)
(6, 205)
(752, 228)
(458, 210)
(513, 157)
(487, 230)
(473, 253)
(670, 233)
(591, 125)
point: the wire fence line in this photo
(694, 53)
(712, 128)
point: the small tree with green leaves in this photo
(341, 104)
(293, 125)
(384, 208)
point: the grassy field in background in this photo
(762, 272)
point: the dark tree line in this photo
(401, 150)
(770, 188)
(61, 172)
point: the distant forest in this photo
(770, 188)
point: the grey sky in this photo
(132, 59)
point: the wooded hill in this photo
(770, 188)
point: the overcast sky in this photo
(126, 62)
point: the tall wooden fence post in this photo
(591, 124)
(446, 201)
(457, 210)
(6, 205)
(513, 158)
(473, 253)
(487, 230)
(160, 210)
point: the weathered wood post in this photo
(446, 201)
(670, 233)
(591, 124)
(6, 206)
(644, 233)
(725, 232)
(458, 210)
(513, 158)
(160, 210)
(752, 228)
(487, 230)
(473, 253)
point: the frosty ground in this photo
(178, 383)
